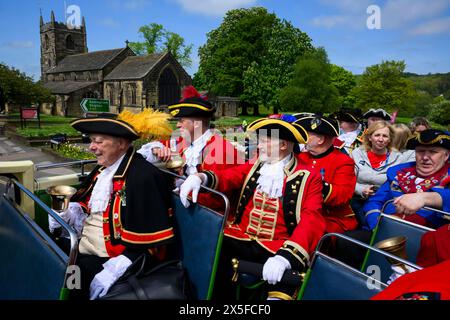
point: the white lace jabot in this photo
(271, 180)
(103, 188)
(193, 152)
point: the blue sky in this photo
(417, 31)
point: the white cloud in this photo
(400, 13)
(213, 7)
(433, 27)
(110, 23)
(18, 45)
(331, 21)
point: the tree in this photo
(250, 55)
(159, 40)
(310, 89)
(264, 81)
(384, 86)
(18, 88)
(440, 113)
(344, 81)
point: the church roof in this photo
(95, 60)
(135, 67)
(68, 86)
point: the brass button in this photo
(291, 213)
(247, 187)
(297, 182)
(292, 224)
(294, 191)
(292, 202)
(252, 179)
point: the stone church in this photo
(72, 73)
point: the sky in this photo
(355, 33)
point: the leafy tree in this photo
(159, 40)
(263, 81)
(310, 89)
(344, 81)
(251, 56)
(384, 86)
(440, 113)
(18, 88)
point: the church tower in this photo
(58, 41)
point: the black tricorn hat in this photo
(431, 138)
(379, 113)
(192, 105)
(347, 115)
(105, 124)
(285, 130)
(320, 125)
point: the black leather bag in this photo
(167, 281)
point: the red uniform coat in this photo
(290, 226)
(339, 180)
(431, 283)
(218, 154)
(434, 247)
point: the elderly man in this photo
(201, 148)
(110, 210)
(336, 168)
(278, 221)
(417, 184)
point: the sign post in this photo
(94, 105)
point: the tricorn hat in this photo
(379, 113)
(430, 137)
(320, 125)
(105, 124)
(283, 129)
(192, 105)
(347, 115)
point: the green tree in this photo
(263, 81)
(18, 88)
(250, 55)
(440, 113)
(310, 89)
(384, 86)
(344, 81)
(159, 40)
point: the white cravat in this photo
(193, 152)
(349, 137)
(103, 188)
(271, 180)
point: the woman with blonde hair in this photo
(373, 159)
(401, 136)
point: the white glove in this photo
(113, 269)
(74, 216)
(191, 184)
(398, 272)
(274, 268)
(147, 151)
(178, 183)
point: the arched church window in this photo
(46, 42)
(70, 43)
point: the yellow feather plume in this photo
(149, 124)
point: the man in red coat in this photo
(337, 170)
(201, 147)
(278, 221)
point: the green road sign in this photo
(94, 105)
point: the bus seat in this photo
(330, 279)
(33, 267)
(199, 233)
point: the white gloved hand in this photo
(274, 269)
(191, 184)
(147, 151)
(178, 183)
(113, 269)
(74, 216)
(398, 272)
